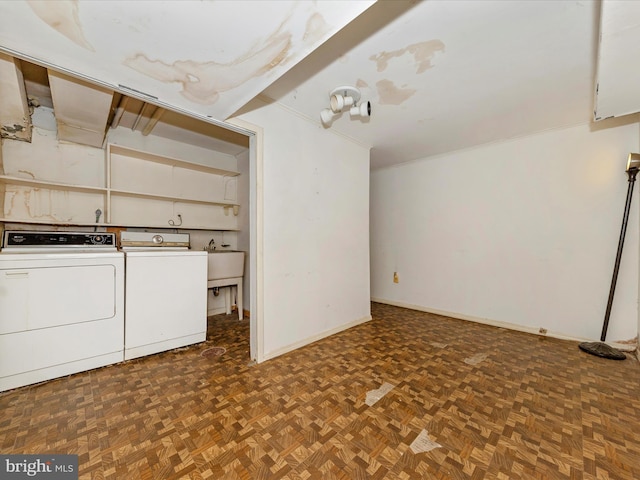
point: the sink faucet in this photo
(212, 245)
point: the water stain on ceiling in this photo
(422, 53)
(207, 58)
(316, 29)
(62, 16)
(390, 94)
(202, 82)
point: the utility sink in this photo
(225, 264)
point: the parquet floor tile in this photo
(500, 404)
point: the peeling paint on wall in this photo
(39, 204)
(389, 94)
(16, 132)
(62, 16)
(422, 53)
(15, 128)
(202, 82)
(8, 202)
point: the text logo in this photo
(49, 467)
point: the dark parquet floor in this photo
(499, 404)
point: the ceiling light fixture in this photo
(342, 99)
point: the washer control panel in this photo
(54, 240)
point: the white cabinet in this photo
(134, 189)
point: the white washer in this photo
(61, 310)
(166, 293)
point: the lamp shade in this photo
(339, 102)
(327, 116)
(633, 162)
(364, 110)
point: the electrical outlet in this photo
(542, 331)
(395, 277)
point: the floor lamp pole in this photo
(600, 348)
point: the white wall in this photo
(316, 230)
(244, 237)
(523, 232)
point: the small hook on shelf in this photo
(174, 224)
(234, 208)
(98, 213)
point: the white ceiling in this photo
(490, 70)
(441, 75)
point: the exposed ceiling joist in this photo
(153, 121)
(120, 109)
(15, 119)
(141, 113)
(82, 109)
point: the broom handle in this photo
(625, 219)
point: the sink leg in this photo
(227, 299)
(239, 295)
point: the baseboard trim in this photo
(216, 311)
(496, 323)
(315, 338)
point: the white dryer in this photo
(166, 292)
(61, 305)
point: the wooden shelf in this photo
(174, 162)
(170, 198)
(28, 182)
(148, 188)
(55, 222)
(115, 225)
(172, 227)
